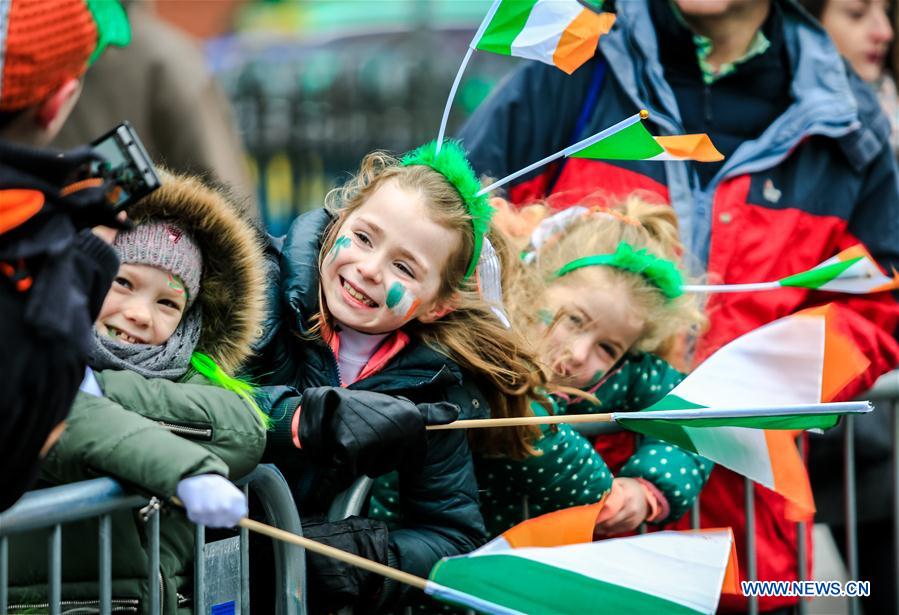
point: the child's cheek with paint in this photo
(401, 301)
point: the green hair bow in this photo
(658, 271)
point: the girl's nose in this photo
(882, 30)
(138, 313)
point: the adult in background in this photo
(162, 84)
(862, 33)
(54, 273)
(808, 172)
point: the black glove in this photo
(333, 584)
(361, 432)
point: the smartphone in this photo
(127, 166)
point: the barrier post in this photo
(850, 509)
(801, 528)
(104, 531)
(199, 568)
(751, 571)
(54, 580)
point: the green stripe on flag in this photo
(534, 587)
(507, 23)
(669, 431)
(818, 277)
(783, 421)
(632, 143)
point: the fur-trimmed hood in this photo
(232, 287)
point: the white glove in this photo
(212, 500)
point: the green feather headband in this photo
(660, 272)
(453, 164)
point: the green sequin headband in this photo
(453, 164)
(660, 272)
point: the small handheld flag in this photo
(563, 33)
(627, 140)
(851, 271)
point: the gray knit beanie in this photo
(165, 245)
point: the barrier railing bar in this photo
(849, 503)
(153, 575)
(4, 575)
(694, 514)
(104, 530)
(54, 580)
(751, 567)
(245, 564)
(199, 568)
(896, 500)
(65, 503)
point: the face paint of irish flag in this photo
(400, 301)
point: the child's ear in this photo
(440, 309)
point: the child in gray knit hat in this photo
(146, 323)
(160, 411)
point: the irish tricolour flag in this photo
(851, 271)
(549, 564)
(738, 407)
(563, 33)
(636, 143)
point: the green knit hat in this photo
(452, 162)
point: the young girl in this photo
(599, 295)
(182, 312)
(380, 326)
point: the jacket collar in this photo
(823, 98)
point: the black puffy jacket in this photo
(438, 499)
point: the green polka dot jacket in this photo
(570, 471)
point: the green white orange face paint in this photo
(176, 285)
(340, 243)
(400, 301)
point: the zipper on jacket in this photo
(76, 607)
(202, 433)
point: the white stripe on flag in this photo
(544, 28)
(691, 565)
(858, 407)
(735, 447)
(860, 277)
(778, 364)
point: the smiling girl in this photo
(382, 331)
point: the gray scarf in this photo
(169, 360)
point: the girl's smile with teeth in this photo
(357, 294)
(121, 336)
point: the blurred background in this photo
(283, 98)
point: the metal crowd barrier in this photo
(101, 497)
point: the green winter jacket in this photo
(151, 433)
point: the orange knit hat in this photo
(43, 43)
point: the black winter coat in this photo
(440, 515)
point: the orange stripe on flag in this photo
(568, 526)
(893, 285)
(580, 38)
(17, 206)
(695, 147)
(790, 475)
(856, 251)
(843, 361)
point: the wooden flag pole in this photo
(525, 420)
(338, 554)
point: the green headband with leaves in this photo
(658, 271)
(452, 163)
